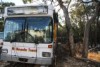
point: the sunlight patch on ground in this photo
(94, 56)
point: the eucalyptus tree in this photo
(5, 4)
(2, 6)
(92, 18)
(64, 4)
(78, 20)
(91, 9)
(26, 1)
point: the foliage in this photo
(4, 4)
(26, 1)
(62, 36)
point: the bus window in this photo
(40, 28)
(1, 35)
(13, 26)
(28, 29)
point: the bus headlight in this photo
(46, 54)
(4, 50)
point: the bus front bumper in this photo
(22, 59)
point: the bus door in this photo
(21, 43)
(23, 46)
(24, 50)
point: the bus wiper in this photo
(36, 42)
(17, 36)
(13, 40)
(18, 33)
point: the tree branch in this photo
(60, 3)
(60, 25)
(58, 10)
(69, 3)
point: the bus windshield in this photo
(1, 35)
(28, 29)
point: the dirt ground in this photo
(72, 62)
(63, 60)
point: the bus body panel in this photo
(34, 56)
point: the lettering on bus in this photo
(24, 49)
(32, 50)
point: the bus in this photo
(30, 34)
(1, 40)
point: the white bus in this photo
(30, 33)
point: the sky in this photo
(17, 2)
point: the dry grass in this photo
(94, 56)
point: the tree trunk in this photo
(69, 28)
(87, 29)
(86, 36)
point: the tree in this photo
(87, 29)
(26, 1)
(68, 25)
(4, 4)
(78, 19)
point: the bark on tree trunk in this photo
(87, 29)
(68, 26)
(86, 37)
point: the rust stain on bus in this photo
(55, 32)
